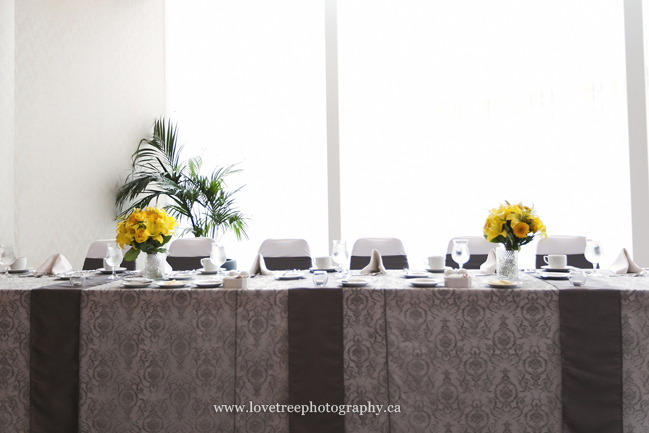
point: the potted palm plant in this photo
(203, 201)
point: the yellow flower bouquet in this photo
(145, 230)
(513, 225)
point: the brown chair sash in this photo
(475, 260)
(284, 263)
(576, 260)
(91, 264)
(389, 262)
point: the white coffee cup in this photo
(20, 264)
(556, 261)
(323, 262)
(436, 263)
(109, 267)
(208, 265)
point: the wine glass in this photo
(217, 256)
(593, 254)
(339, 255)
(7, 257)
(460, 251)
(114, 256)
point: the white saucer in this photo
(206, 272)
(417, 275)
(354, 282)
(549, 269)
(555, 275)
(207, 284)
(437, 271)
(105, 271)
(424, 282)
(497, 284)
(19, 271)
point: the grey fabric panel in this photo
(389, 262)
(91, 264)
(285, 263)
(475, 260)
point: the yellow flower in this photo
(520, 229)
(141, 235)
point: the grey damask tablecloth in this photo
(455, 360)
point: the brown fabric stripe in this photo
(591, 357)
(315, 358)
(185, 263)
(285, 263)
(55, 313)
(389, 262)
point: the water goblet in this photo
(114, 256)
(593, 254)
(339, 255)
(217, 256)
(7, 257)
(460, 251)
(320, 278)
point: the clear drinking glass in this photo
(577, 277)
(460, 251)
(593, 254)
(217, 256)
(78, 279)
(320, 278)
(339, 255)
(114, 256)
(7, 257)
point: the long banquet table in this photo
(454, 360)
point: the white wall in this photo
(89, 80)
(6, 121)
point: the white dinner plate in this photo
(555, 275)
(136, 284)
(207, 284)
(500, 284)
(287, 277)
(417, 275)
(105, 271)
(206, 272)
(179, 277)
(424, 282)
(168, 285)
(354, 282)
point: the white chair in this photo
(186, 253)
(392, 253)
(97, 252)
(281, 254)
(571, 246)
(479, 249)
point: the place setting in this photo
(556, 267)
(435, 264)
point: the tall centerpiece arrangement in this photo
(513, 226)
(147, 230)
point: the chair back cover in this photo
(185, 254)
(392, 253)
(571, 246)
(282, 254)
(479, 249)
(97, 252)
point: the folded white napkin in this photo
(489, 266)
(55, 265)
(624, 264)
(375, 265)
(259, 266)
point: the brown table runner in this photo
(591, 357)
(54, 357)
(315, 358)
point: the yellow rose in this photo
(141, 235)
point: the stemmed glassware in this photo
(7, 257)
(593, 254)
(460, 251)
(217, 256)
(114, 256)
(340, 256)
